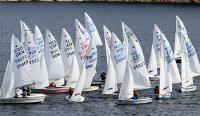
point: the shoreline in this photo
(112, 1)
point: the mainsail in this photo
(53, 58)
(92, 30)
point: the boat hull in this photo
(33, 98)
(113, 95)
(188, 89)
(99, 84)
(155, 78)
(141, 100)
(92, 88)
(165, 96)
(55, 90)
(81, 99)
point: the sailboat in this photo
(127, 91)
(154, 65)
(34, 61)
(166, 58)
(67, 51)
(18, 74)
(110, 86)
(39, 43)
(54, 65)
(194, 65)
(82, 43)
(70, 62)
(118, 55)
(187, 51)
(76, 96)
(180, 28)
(91, 62)
(135, 55)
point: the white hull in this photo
(165, 96)
(33, 98)
(110, 95)
(92, 88)
(141, 100)
(188, 89)
(81, 99)
(155, 78)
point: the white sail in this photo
(180, 27)
(67, 52)
(53, 58)
(118, 54)
(155, 52)
(172, 63)
(39, 41)
(7, 86)
(74, 74)
(192, 57)
(81, 48)
(80, 27)
(152, 66)
(156, 43)
(138, 65)
(20, 64)
(177, 46)
(24, 30)
(34, 60)
(166, 57)
(44, 73)
(110, 85)
(79, 86)
(187, 78)
(91, 62)
(126, 91)
(92, 30)
(125, 42)
(107, 37)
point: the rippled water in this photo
(140, 17)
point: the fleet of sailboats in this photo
(40, 64)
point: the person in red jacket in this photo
(156, 92)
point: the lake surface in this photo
(140, 17)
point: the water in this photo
(140, 17)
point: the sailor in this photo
(17, 93)
(103, 76)
(136, 94)
(24, 92)
(70, 92)
(156, 91)
(52, 85)
(29, 90)
(133, 97)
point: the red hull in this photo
(55, 90)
